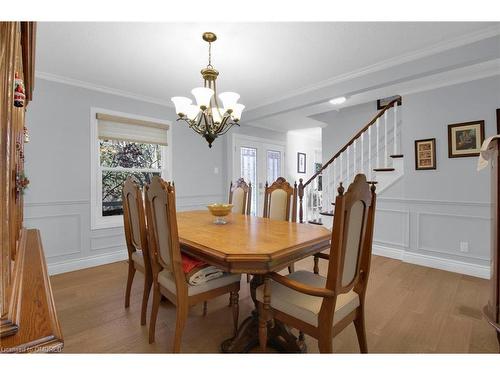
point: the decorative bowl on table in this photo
(220, 211)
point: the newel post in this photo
(301, 196)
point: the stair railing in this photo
(341, 169)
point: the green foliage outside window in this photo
(120, 159)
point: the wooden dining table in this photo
(256, 246)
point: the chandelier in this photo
(207, 117)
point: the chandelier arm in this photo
(224, 123)
(231, 124)
(191, 124)
(208, 128)
(198, 126)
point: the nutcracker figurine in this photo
(19, 95)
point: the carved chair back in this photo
(134, 221)
(352, 235)
(280, 201)
(240, 195)
(163, 232)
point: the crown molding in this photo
(388, 63)
(104, 89)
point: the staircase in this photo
(374, 151)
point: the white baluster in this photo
(370, 153)
(362, 152)
(354, 169)
(386, 157)
(326, 186)
(330, 176)
(396, 129)
(334, 183)
(376, 149)
(347, 178)
(341, 167)
(309, 203)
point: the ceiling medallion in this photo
(207, 117)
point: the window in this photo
(273, 165)
(123, 145)
(249, 173)
(120, 159)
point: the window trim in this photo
(97, 221)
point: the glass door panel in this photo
(273, 165)
(257, 162)
(249, 172)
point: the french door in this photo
(258, 161)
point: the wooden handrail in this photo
(358, 134)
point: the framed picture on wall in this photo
(301, 162)
(465, 139)
(425, 154)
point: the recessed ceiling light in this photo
(338, 100)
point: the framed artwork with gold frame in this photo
(465, 139)
(425, 154)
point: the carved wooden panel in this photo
(16, 46)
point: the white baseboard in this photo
(78, 264)
(387, 252)
(450, 265)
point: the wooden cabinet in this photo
(28, 318)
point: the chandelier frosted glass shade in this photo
(217, 114)
(237, 110)
(192, 112)
(209, 118)
(182, 104)
(229, 100)
(203, 95)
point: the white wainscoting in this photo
(415, 231)
(429, 232)
(70, 244)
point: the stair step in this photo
(315, 222)
(384, 169)
(397, 156)
(326, 213)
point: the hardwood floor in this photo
(410, 309)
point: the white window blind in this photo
(131, 130)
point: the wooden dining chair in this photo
(240, 196)
(168, 277)
(280, 203)
(322, 307)
(134, 221)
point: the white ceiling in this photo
(261, 61)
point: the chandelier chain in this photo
(209, 55)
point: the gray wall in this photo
(58, 166)
(424, 217)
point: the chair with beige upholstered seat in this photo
(137, 242)
(240, 196)
(280, 203)
(169, 279)
(323, 306)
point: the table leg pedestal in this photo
(279, 336)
